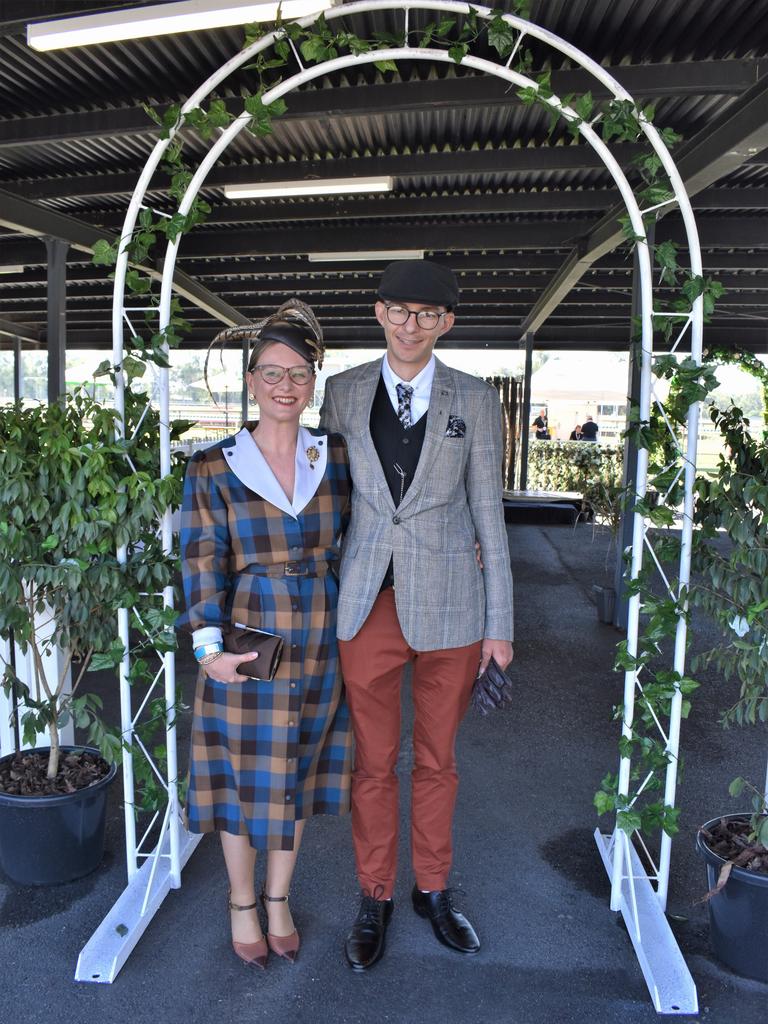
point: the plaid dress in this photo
(266, 754)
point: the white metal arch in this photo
(668, 979)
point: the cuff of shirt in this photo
(206, 635)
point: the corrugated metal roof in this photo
(73, 139)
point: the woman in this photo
(261, 519)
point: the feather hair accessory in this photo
(294, 311)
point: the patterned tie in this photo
(404, 392)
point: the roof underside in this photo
(479, 182)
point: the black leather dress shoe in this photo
(450, 926)
(365, 943)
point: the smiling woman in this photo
(261, 522)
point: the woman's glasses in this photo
(272, 374)
(427, 319)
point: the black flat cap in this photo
(291, 334)
(419, 281)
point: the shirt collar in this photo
(421, 383)
(246, 461)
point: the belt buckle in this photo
(295, 569)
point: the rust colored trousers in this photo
(372, 665)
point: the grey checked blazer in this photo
(443, 598)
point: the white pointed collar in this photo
(246, 461)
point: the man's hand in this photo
(500, 650)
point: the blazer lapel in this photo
(441, 400)
(364, 395)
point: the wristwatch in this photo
(207, 653)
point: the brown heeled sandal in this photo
(286, 946)
(254, 954)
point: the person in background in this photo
(541, 424)
(262, 515)
(425, 448)
(589, 430)
(576, 434)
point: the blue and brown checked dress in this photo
(266, 754)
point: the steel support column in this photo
(18, 370)
(57, 317)
(525, 412)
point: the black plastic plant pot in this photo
(738, 914)
(48, 840)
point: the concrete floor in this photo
(535, 887)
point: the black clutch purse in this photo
(492, 689)
(246, 640)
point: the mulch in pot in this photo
(729, 839)
(25, 774)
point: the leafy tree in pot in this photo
(73, 492)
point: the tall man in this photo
(425, 446)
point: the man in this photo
(425, 452)
(589, 430)
(541, 423)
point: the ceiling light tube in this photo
(380, 254)
(162, 19)
(10, 268)
(327, 187)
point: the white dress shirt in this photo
(421, 384)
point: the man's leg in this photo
(372, 667)
(442, 688)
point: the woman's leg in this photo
(240, 858)
(280, 865)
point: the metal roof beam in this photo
(554, 201)
(649, 81)
(478, 161)
(17, 214)
(31, 255)
(10, 329)
(738, 133)
(588, 337)
(724, 231)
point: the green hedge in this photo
(573, 465)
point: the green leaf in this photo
(386, 65)
(736, 787)
(104, 253)
(458, 52)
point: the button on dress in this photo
(267, 753)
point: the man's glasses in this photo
(427, 319)
(272, 374)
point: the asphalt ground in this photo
(535, 887)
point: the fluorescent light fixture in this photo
(161, 20)
(381, 254)
(9, 268)
(326, 187)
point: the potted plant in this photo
(731, 585)
(72, 493)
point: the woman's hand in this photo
(224, 668)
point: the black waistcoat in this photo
(394, 444)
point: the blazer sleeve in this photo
(329, 417)
(485, 498)
(205, 549)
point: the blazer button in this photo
(396, 520)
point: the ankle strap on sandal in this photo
(238, 906)
(275, 899)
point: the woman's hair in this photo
(293, 324)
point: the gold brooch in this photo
(313, 455)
